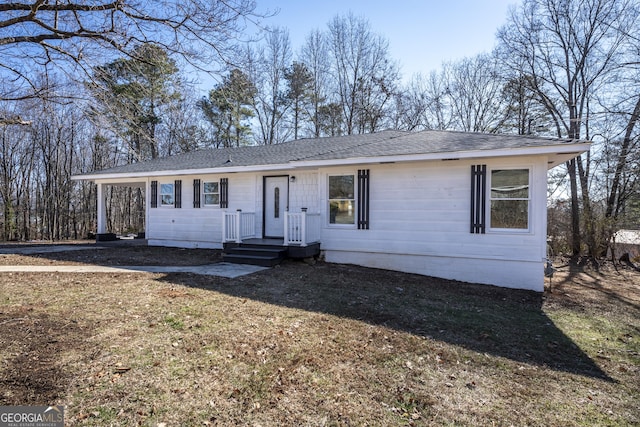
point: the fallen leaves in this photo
(276, 348)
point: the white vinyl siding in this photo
(191, 227)
(420, 224)
(419, 220)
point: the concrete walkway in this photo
(222, 269)
(44, 249)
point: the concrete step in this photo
(258, 251)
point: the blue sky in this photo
(422, 33)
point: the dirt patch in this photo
(36, 350)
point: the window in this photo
(276, 202)
(509, 199)
(341, 199)
(211, 191)
(166, 195)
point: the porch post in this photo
(224, 226)
(286, 227)
(102, 210)
(303, 228)
(239, 226)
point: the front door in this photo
(276, 199)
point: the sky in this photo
(422, 34)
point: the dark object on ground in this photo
(106, 237)
(625, 258)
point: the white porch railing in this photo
(301, 228)
(237, 226)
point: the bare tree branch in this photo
(5, 121)
(43, 33)
(42, 5)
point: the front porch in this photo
(241, 244)
(300, 228)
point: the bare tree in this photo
(75, 34)
(410, 107)
(271, 102)
(16, 165)
(568, 48)
(439, 113)
(363, 71)
(466, 95)
(182, 130)
(624, 182)
(474, 91)
(315, 56)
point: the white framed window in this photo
(509, 199)
(342, 199)
(167, 195)
(211, 193)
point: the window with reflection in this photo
(341, 199)
(211, 192)
(510, 195)
(166, 195)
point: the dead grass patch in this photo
(320, 345)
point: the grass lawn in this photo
(317, 345)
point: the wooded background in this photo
(88, 85)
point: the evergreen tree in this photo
(132, 92)
(228, 109)
(299, 80)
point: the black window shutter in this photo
(224, 193)
(178, 193)
(196, 193)
(154, 194)
(478, 198)
(363, 199)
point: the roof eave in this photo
(557, 154)
(179, 172)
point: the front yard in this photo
(316, 345)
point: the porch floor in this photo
(264, 242)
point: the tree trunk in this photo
(622, 161)
(575, 209)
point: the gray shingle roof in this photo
(381, 144)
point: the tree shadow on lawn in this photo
(486, 319)
(593, 287)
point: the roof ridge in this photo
(364, 142)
